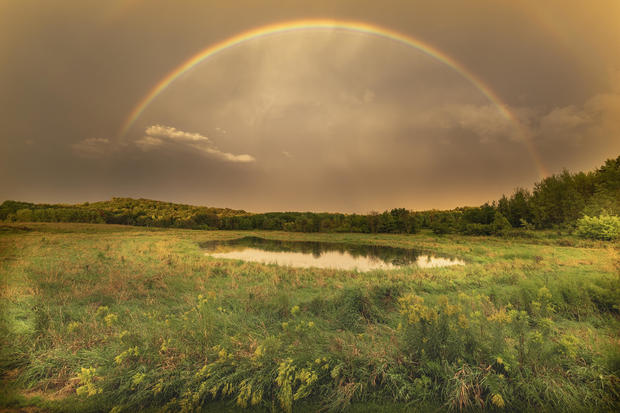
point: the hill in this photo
(557, 201)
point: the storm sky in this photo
(319, 120)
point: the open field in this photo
(105, 317)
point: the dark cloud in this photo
(314, 120)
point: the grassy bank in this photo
(104, 317)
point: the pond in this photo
(307, 254)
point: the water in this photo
(324, 254)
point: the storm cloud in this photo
(305, 120)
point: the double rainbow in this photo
(343, 25)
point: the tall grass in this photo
(100, 318)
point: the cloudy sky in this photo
(320, 119)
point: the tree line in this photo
(557, 201)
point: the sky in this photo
(315, 119)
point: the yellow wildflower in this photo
(498, 400)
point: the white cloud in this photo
(227, 156)
(148, 142)
(168, 132)
(158, 135)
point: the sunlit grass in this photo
(100, 317)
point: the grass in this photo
(115, 318)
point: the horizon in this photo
(492, 201)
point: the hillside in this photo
(556, 201)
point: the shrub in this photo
(441, 228)
(603, 227)
(476, 229)
(354, 308)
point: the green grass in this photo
(104, 317)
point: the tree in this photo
(500, 225)
(519, 208)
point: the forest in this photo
(557, 201)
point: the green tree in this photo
(500, 225)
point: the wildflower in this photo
(137, 378)
(307, 378)
(285, 380)
(259, 351)
(202, 371)
(74, 325)
(537, 337)
(336, 371)
(158, 387)
(498, 400)
(295, 310)
(500, 316)
(257, 396)
(101, 310)
(412, 306)
(544, 294)
(214, 390)
(245, 392)
(569, 345)
(87, 378)
(463, 321)
(110, 319)
(130, 352)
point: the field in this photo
(118, 318)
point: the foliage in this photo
(101, 318)
(603, 227)
(556, 201)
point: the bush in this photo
(603, 227)
(476, 229)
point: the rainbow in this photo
(343, 25)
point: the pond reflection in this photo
(324, 254)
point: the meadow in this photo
(115, 318)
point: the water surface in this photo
(324, 254)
